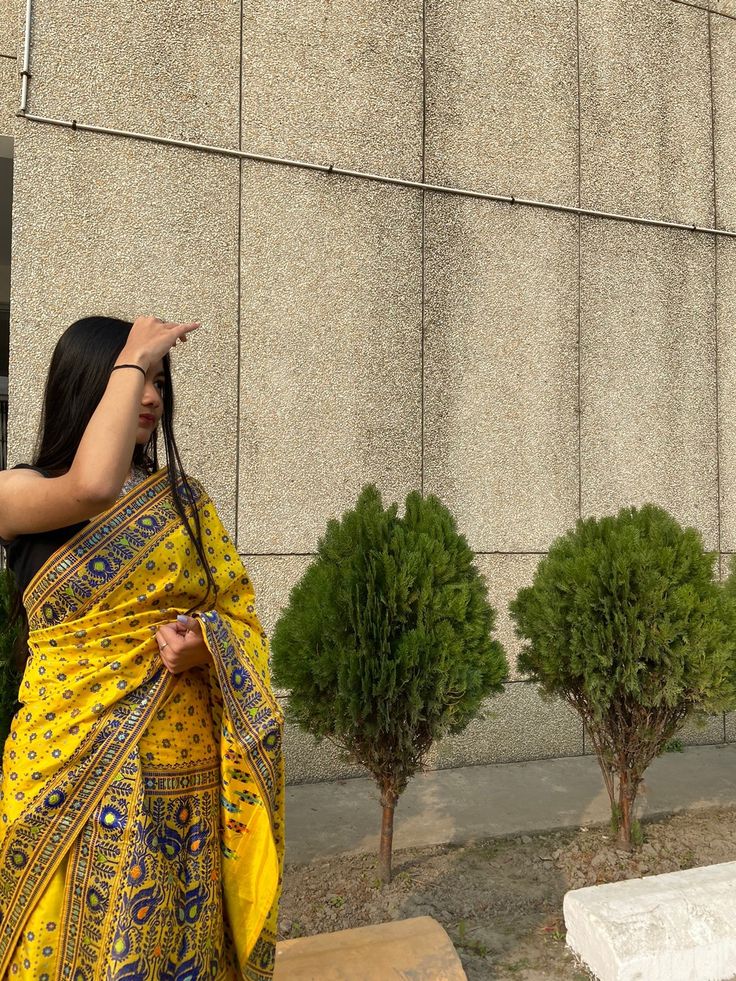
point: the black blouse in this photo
(27, 553)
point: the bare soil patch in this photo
(500, 900)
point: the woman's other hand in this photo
(182, 645)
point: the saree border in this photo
(73, 543)
(94, 563)
(38, 841)
(93, 849)
(255, 715)
(167, 781)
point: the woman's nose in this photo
(151, 395)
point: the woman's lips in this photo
(148, 420)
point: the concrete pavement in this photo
(470, 803)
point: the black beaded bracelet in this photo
(142, 370)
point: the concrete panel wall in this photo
(501, 427)
(8, 95)
(118, 230)
(331, 340)
(723, 53)
(645, 109)
(10, 28)
(726, 315)
(648, 372)
(501, 82)
(148, 65)
(526, 365)
(329, 85)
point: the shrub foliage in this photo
(625, 622)
(386, 641)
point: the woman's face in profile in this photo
(152, 402)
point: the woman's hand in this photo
(150, 339)
(182, 645)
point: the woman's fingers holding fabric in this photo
(181, 651)
(186, 624)
(169, 645)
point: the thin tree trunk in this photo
(608, 775)
(388, 803)
(626, 794)
(605, 769)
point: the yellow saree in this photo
(141, 830)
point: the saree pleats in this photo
(142, 812)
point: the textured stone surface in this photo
(731, 727)
(703, 732)
(97, 231)
(274, 576)
(726, 7)
(501, 326)
(723, 46)
(330, 352)
(505, 576)
(12, 16)
(726, 253)
(329, 88)
(648, 372)
(413, 948)
(176, 74)
(646, 145)
(9, 89)
(503, 117)
(514, 725)
(672, 927)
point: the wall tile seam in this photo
(284, 693)
(511, 761)
(313, 555)
(708, 10)
(579, 290)
(716, 325)
(423, 263)
(239, 281)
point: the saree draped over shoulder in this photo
(141, 818)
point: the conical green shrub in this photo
(386, 642)
(625, 622)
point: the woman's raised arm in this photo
(32, 503)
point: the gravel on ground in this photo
(500, 900)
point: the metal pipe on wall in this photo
(25, 71)
(331, 168)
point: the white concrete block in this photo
(680, 926)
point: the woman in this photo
(141, 831)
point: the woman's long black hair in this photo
(78, 375)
